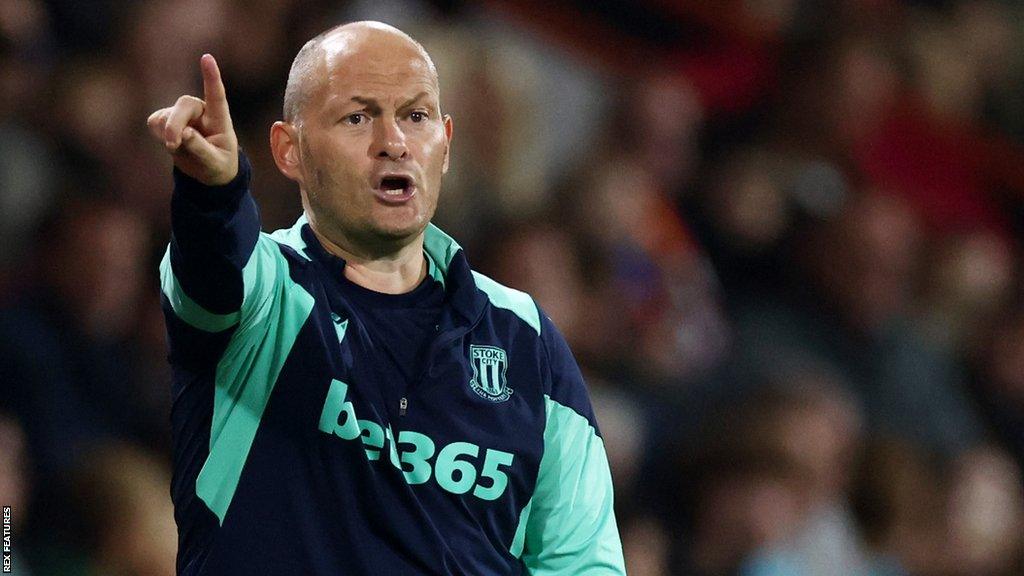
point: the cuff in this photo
(203, 197)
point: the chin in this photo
(400, 231)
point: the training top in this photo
(302, 447)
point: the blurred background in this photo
(783, 238)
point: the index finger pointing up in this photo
(213, 90)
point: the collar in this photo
(446, 260)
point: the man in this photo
(350, 398)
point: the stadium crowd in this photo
(786, 255)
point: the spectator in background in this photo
(999, 381)
(672, 328)
(745, 498)
(939, 517)
(69, 358)
(815, 422)
(744, 215)
(123, 517)
(66, 344)
(897, 496)
(846, 307)
(122, 497)
(771, 484)
(26, 179)
(986, 515)
(968, 283)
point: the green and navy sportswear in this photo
(303, 444)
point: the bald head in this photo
(309, 69)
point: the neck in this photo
(395, 272)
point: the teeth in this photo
(394, 186)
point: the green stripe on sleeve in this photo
(519, 539)
(273, 312)
(570, 521)
(187, 309)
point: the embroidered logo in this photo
(339, 326)
(489, 366)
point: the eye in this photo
(418, 116)
(356, 119)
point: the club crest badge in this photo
(489, 366)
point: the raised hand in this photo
(198, 133)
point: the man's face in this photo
(373, 143)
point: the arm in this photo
(214, 231)
(215, 224)
(233, 312)
(570, 528)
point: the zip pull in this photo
(403, 405)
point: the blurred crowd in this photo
(782, 237)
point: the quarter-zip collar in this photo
(447, 264)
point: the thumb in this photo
(202, 160)
(193, 144)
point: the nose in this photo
(388, 141)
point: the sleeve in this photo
(570, 528)
(233, 316)
(206, 273)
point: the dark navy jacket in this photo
(290, 456)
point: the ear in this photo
(447, 141)
(284, 145)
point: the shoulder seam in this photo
(549, 399)
(516, 301)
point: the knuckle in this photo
(188, 101)
(155, 118)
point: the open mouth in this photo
(395, 185)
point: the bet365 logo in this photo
(453, 467)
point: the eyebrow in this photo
(373, 107)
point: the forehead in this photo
(376, 66)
